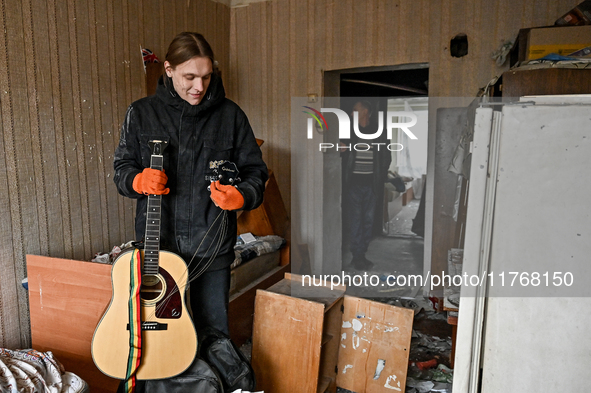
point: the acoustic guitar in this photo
(169, 341)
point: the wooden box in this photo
(309, 339)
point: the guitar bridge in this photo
(152, 326)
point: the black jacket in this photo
(198, 136)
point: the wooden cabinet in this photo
(310, 339)
(517, 82)
(268, 219)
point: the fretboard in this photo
(152, 238)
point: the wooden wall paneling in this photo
(49, 161)
(100, 77)
(426, 16)
(458, 24)
(159, 25)
(111, 129)
(482, 22)
(358, 34)
(265, 77)
(150, 10)
(393, 43)
(110, 120)
(20, 166)
(70, 103)
(136, 65)
(60, 184)
(221, 37)
(231, 83)
(280, 138)
(256, 68)
(370, 31)
(185, 14)
(444, 64)
(327, 10)
(268, 62)
(39, 172)
(318, 14)
(87, 133)
(344, 46)
(541, 11)
(225, 31)
(142, 23)
(408, 22)
(80, 198)
(9, 325)
(124, 212)
(10, 331)
(381, 19)
(201, 15)
(242, 74)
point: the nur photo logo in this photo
(394, 121)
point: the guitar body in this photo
(169, 341)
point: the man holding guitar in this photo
(206, 136)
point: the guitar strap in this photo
(135, 322)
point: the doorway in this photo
(394, 248)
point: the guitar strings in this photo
(194, 274)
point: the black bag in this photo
(225, 357)
(198, 378)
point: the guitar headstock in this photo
(157, 147)
(226, 172)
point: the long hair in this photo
(186, 46)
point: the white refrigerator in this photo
(525, 324)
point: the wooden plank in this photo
(249, 271)
(306, 288)
(556, 81)
(375, 345)
(241, 307)
(330, 346)
(300, 325)
(67, 299)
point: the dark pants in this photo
(362, 204)
(209, 294)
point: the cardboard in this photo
(560, 40)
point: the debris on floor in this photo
(430, 349)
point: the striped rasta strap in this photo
(135, 322)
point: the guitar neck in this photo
(152, 238)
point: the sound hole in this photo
(152, 288)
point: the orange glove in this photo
(226, 197)
(151, 182)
